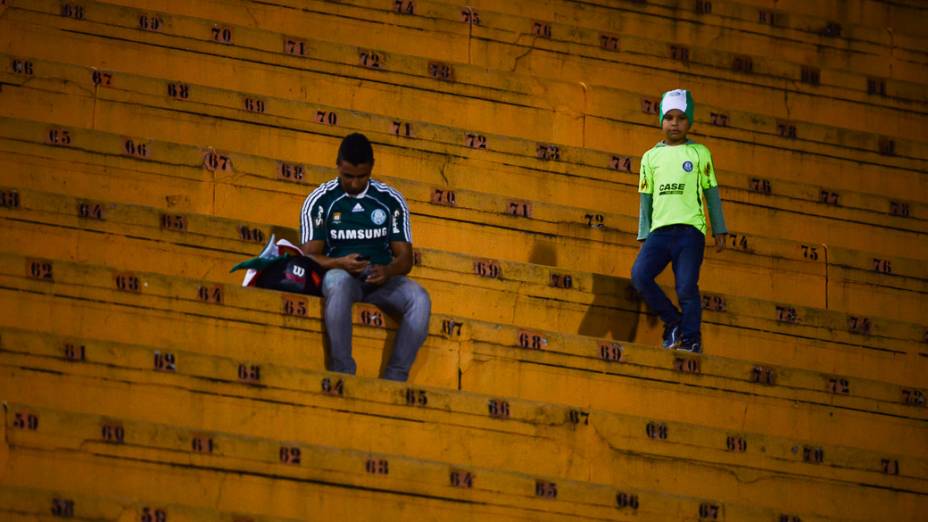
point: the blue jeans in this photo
(400, 297)
(683, 246)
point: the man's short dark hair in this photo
(356, 149)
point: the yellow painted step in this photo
(737, 240)
(749, 187)
(128, 439)
(835, 193)
(440, 27)
(747, 203)
(867, 292)
(834, 233)
(633, 105)
(866, 14)
(199, 233)
(740, 16)
(527, 331)
(191, 195)
(580, 33)
(203, 248)
(777, 453)
(294, 423)
(862, 146)
(19, 503)
(143, 489)
(267, 169)
(627, 378)
(579, 251)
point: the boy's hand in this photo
(719, 242)
(352, 264)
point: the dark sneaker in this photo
(690, 346)
(671, 337)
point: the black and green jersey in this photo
(362, 224)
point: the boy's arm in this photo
(646, 201)
(714, 202)
(644, 216)
(716, 217)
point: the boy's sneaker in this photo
(690, 346)
(671, 336)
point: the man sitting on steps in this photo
(358, 229)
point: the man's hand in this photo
(377, 275)
(719, 242)
(352, 264)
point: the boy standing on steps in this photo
(675, 177)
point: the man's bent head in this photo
(355, 162)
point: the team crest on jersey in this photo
(378, 216)
(688, 166)
(337, 217)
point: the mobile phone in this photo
(363, 258)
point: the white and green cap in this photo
(677, 99)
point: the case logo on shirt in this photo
(688, 166)
(378, 216)
(671, 188)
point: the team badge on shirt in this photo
(337, 217)
(688, 166)
(378, 216)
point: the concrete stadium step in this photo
(559, 354)
(247, 186)
(755, 191)
(530, 453)
(128, 439)
(21, 504)
(87, 147)
(581, 31)
(265, 373)
(745, 187)
(164, 185)
(883, 240)
(817, 383)
(867, 292)
(798, 25)
(756, 182)
(567, 128)
(196, 493)
(440, 27)
(869, 14)
(862, 145)
(193, 494)
(210, 246)
(767, 343)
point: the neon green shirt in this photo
(676, 176)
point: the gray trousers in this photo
(400, 298)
